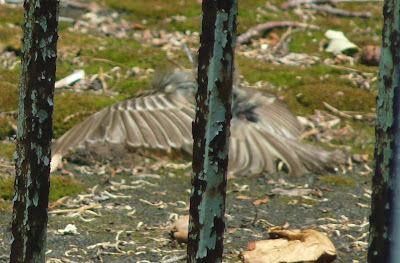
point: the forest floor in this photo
(126, 213)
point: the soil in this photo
(132, 208)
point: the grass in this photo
(337, 180)
(7, 150)
(60, 186)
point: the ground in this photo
(130, 203)
(126, 213)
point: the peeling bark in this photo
(384, 240)
(35, 130)
(211, 131)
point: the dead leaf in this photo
(360, 158)
(305, 245)
(292, 192)
(243, 197)
(370, 55)
(261, 201)
(138, 26)
(179, 229)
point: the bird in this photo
(264, 133)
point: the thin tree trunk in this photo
(35, 130)
(211, 131)
(384, 241)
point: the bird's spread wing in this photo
(263, 130)
(155, 121)
(272, 114)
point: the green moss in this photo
(155, 12)
(283, 200)
(126, 52)
(6, 188)
(71, 40)
(131, 86)
(6, 129)
(338, 180)
(64, 186)
(307, 42)
(12, 16)
(7, 150)
(309, 202)
(247, 14)
(361, 137)
(60, 186)
(304, 90)
(9, 89)
(77, 107)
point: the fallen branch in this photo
(365, 74)
(256, 30)
(174, 259)
(281, 40)
(294, 3)
(13, 113)
(74, 210)
(7, 166)
(351, 114)
(116, 196)
(58, 202)
(63, 3)
(338, 112)
(340, 12)
(115, 245)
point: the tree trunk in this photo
(384, 241)
(211, 131)
(35, 130)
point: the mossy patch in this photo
(6, 188)
(60, 186)
(7, 150)
(13, 16)
(283, 200)
(338, 180)
(76, 107)
(122, 51)
(9, 89)
(64, 186)
(6, 129)
(155, 12)
(5, 206)
(305, 89)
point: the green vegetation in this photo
(7, 150)
(6, 188)
(6, 129)
(338, 180)
(60, 186)
(71, 108)
(64, 186)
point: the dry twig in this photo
(75, 210)
(294, 3)
(338, 112)
(339, 12)
(351, 114)
(174, 259)
(253, 31)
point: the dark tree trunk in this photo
(211, 131)
(35, 130)
(384, 241)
